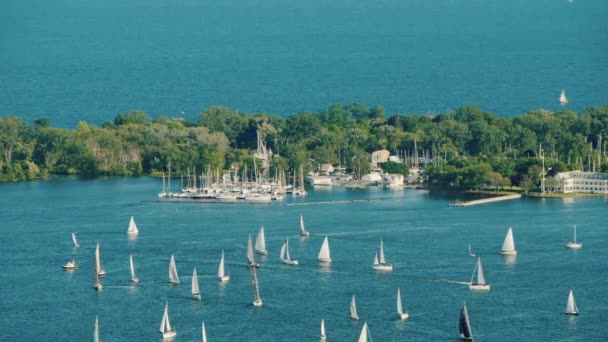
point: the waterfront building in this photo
(577, 181)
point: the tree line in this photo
(465, 148)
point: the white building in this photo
(578, 181)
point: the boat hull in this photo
(169, 334)
(404, 316)
(574, 245)
(325, 260)
(224, 278)
(291, 262)
(479, 287)
(257, 303)
(135, 280)
(305, 234)
(508, 252)
(383, 267)
(196, 296)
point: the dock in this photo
(485, 200)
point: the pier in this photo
(485, 200)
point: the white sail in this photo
(364, 333)
(131, 266)
(132, 230)
(76, 244)
(220, 270)
(165, 324)
(204, 333)
(163, 321)
(508, 245)
(571, 307)
(399, 305)
(471, 253)
(323, 336)
(256, 290)
(303, 231)
(97, 259)
(324, 254)
(173, 278)
(381, 258)
(260, 242)
(195, 290)
(250, 256)
(481, 280)
(376, 259)
(96, 330)
(353, 309)
(562, 97)
(283, 253)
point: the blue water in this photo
(72, 60)
(424, 238)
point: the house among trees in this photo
(577, 181)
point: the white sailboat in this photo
(70, 265)
(324, 254)
(323, 336)
(353, 309)
(250, 257)
(165, 326)
(480, 284)
(508, 245)
(96, 330)
(402, 315)
(76, 244)
(471, 253)
(196, 293)
(574, 244)
(303, 231)
(464, 326)
(100, 270)
(363, 337)
(285, 257)
(96, 279)
(571, 308)
(257, 302)
(134, 278)
(260, 242)
(221, 273)
(173, 278)
(563, 100)
(132, 230)
(203, 332)
(380, 263)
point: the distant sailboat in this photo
(134, 279)
(100, 270)
(260, 242)
(402, 315)
(132, 230)
(380, 263)
(285, 257)
(165, 325)
(324, 254)
(571, 308)
(363, 337)
(196, 293)
(508, 245)
(76, 244)
(96, 330)
(480, 284)
(173, 278)
(323, 336)
(70, 265)
(563, 100)
(574, 244)
(471, 253)
(221, 273)
(96, 279)
(303, 231)
(257, 302)
(250, 256)
(464, 326)
(353, 309)
(203, 332)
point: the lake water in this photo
(72, 60)
(424, 238)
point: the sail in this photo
(364, 333)
(195, 290)
(381, 258)
(96, 279)
(163, 322)
(324, 254)
(132, 267)
(481, 280)
(220, 269)
(464, 326)
(256, 289)
(76, 244)
(250, 257)
(260, 242)
(204, 333)
(571, 307)
(96, 330)
(562, 97)
(283, 250)
(173, 278)
(132, 227)
(376, 259)
(399, 305)
(302, 227)
(323, 329)
(509, 244)
(353, 309)
(287, 256)
(97, 259)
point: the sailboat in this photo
(173, 278)
(96, 279)
(563, 100)
(76, 244)
(574, 244)
(165, 325)
(480, 284)
(323, 336)
(260, 242)
(96, 330)
(203, 332)
(250, 256)
(471, 253)
(70, 265)
(324, 255)
(380, 263)
(402, 315)
(196, 293)
(257, 302)
(508, 246)
(571, 308)
(100, 271)
(134, 279)
(464, 326)
(285, 257)
(303, 231)
(353, 309)
(132, 230)
(363, 337)
(221, 273)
